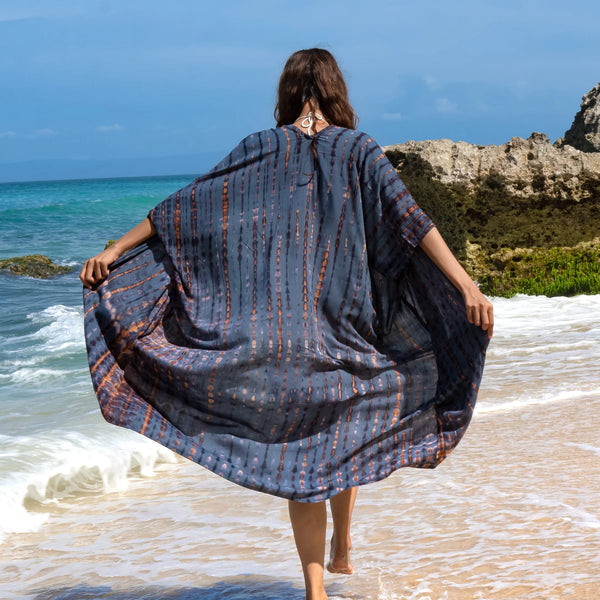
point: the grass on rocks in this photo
(543, 272)
(32, 265)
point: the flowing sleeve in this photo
(415, 301)
(176, 218)
(394, 223)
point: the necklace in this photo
(308, 120)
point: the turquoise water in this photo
(88, 510)
(69, 220)
(51, 434)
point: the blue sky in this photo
(141, 87)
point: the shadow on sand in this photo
(252, 589)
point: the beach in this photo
(88, 510)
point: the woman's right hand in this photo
(95, 269)
(480, 310)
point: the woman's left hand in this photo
(95, 269)
(480, 311)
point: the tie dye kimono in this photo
(283, 329)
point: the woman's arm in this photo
(479, 309)
(95, 269)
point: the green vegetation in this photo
(544, 272)
(554, 235)
(33, 265)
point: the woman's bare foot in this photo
(339, 558)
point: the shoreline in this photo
(472, 532)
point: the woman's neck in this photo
(311, 119)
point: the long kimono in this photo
(283, 329)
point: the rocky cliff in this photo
(562, 169)
(585, 131)
(526, 166)
(526, 193)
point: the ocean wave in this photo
(42, 470)
(46, 351)
(541, 309)
(18, 363)
(551, 346)
(587, 447)
(574, 514)
(62, 328)
(28, 375)
(483, 408)
(65, 262)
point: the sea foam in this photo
(36, 357)
(528, 401)
(62, 328)
(48, 468)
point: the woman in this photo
(279, 321)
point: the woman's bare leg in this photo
(309, 521)
(342, 506)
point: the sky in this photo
(101, 88)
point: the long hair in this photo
(313, 74)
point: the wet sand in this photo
(513, 513)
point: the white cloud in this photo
(394, 116)
(39, 9)
(431, 83)
(44, 132)
(114, 127)
(38, 133)
(443, 105)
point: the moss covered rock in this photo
(541, 240)
(33, 265)
(443, 203)
(489, 213)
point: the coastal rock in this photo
(526, 193)
(584, 134)
(33, 265)
(567, 170)
(525, 166)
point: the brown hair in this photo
(313, 74)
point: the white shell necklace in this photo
(308, 120)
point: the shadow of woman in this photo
(238, 588)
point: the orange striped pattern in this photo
(283, 329)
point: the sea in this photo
(89, 510)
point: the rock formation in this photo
(523, 216)
(562, 170)
(526, 166)
(33, 265)
(584, 134)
